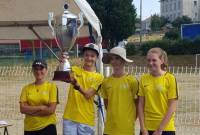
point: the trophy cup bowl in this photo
(66, 29)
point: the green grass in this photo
(145, 37)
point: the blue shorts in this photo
(75, 128)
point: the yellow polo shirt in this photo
(121, 109)
(36, 95)
(78, 108)
(157, 91)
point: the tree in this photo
(163, 21)
(181, 20)
(117, 18)
(172, 34)
(157, 22)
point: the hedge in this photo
(173, 47)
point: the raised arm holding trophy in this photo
(65, 29)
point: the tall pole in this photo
(140, 22)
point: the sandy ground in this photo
(188, 110)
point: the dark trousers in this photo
(49, 130)
(163, 133)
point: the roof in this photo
(17, 15)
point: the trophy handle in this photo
(80, 15)
(50, 19)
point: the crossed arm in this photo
(42, 110)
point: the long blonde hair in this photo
(162, 55)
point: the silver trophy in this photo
(65, 29)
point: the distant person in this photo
(119, 93)
(79, 114)
(38, 102)
(157, 96)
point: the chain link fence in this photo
(13, 78)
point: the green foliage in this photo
(157, 22)
(117, 18)
(137, 20)
(130, 49)
(172, 34)
(174, 47)
(163, 21)
(181, 20)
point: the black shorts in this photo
(163, 133)
(45, 131)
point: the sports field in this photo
(13, 78)
(145, 37)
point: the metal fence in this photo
(12, 79)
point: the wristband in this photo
(77, 87)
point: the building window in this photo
(196, 15)
(163, 9)
(170, 6)
(179, 5)
(195, 3)
(179, 14)
(174, 6)
(166, 8)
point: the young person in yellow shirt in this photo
(119, 93)
(157, 96)
(38, 102)
(79, 114)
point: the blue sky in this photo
(149, 7)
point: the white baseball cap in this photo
(91, 46)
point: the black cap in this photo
(40, 63)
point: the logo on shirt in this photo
(124, 86)
(146, 85)
(90, 79)
(159, 87)
(45, 92)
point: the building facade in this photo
(146, 24)
(176, 8)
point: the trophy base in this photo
(61, 76)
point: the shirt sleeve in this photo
(134, 85)
(53, 95)
(96, 84)
(141, 88)
(23, 97)
(173, 90)
(103, 91)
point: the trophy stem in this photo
(65, 65)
